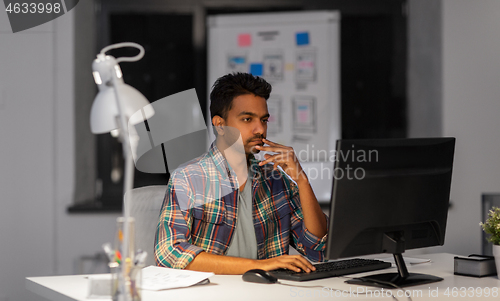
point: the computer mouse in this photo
(259, 276)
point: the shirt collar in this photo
(219, 160)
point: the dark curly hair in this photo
(229, 86)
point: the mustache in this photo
(256, 137)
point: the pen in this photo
(118, 256)
(109, 251)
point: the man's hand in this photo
(285, 158)
(228, 265)
(295, 263)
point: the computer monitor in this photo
(388, 196)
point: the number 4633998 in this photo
(33, 8)
(471, 292)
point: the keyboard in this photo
(332, 269)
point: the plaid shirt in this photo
(200, 208)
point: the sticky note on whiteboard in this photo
(302, 38)
(304, 117)
(256, 69)
(244, 40)
(304, 113)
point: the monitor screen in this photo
(389, 195)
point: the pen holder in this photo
(126, 280)
(126, 274)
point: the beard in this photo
(250, 149)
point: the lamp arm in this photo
(127, 186)
(129, 170)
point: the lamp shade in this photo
(104, 112)
(109, 79)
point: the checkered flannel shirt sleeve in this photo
(173, 244)
(305, 242)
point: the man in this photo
(227, 213)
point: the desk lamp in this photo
(113, 106)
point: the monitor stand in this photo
(395, 280)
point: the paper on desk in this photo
(408, 260)
(159, 278)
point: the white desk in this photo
(67, 288)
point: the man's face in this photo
(249, 115)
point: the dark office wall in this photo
(167, 68)
(373, 66)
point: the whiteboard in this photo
(298, 54)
